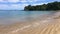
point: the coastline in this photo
(49, 25)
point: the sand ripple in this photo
(50, 25)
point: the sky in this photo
(20, 4)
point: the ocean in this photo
(9, 17)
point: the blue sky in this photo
(20, 4)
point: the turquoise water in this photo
(7, 17)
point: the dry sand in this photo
(49, 25)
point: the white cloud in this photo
(12, 7)
(9, 0)
(13, 0)
(32, 0)
(18, 0)
(22, 4)
(37, 4)
(25, 0)
(1, 0)
(22, 0)
(3, 6)
(28, 0)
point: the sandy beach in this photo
(50, 24)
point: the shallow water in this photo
(9, 17)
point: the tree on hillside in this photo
(50, 6)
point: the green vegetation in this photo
(50, 6)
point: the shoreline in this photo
(49, 24)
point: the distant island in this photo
(50, 6)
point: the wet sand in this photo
(49, 24)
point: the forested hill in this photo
(50, 6)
